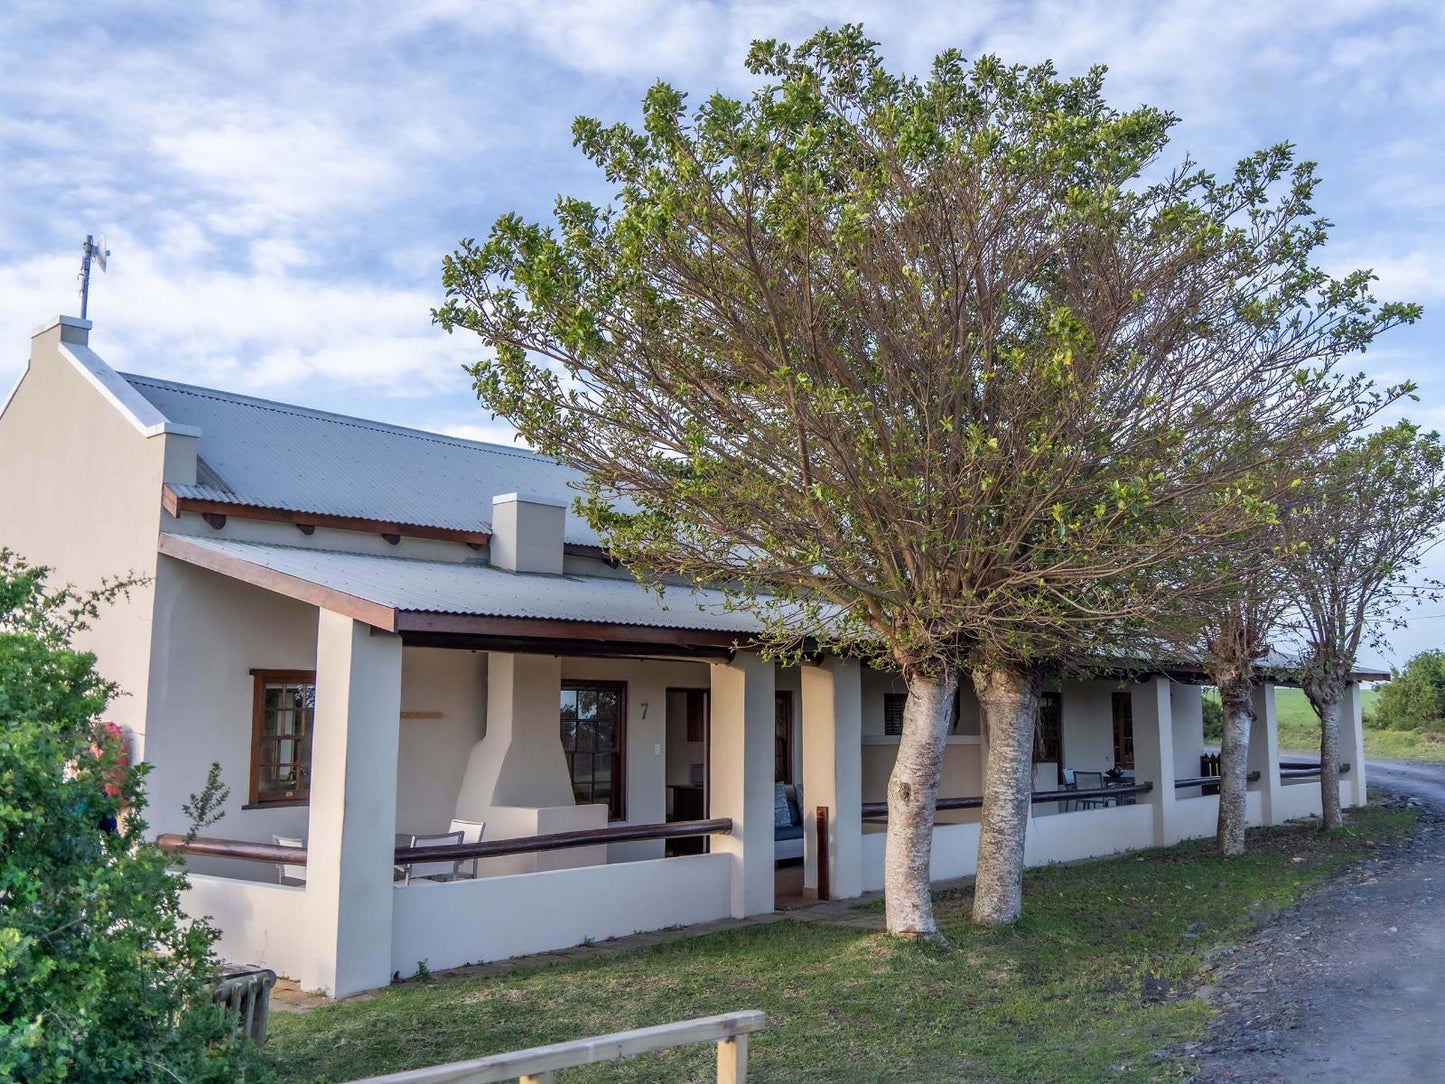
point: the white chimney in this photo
(527, 533)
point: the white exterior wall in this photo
(962, 754)
(1187, 708)
(80, 486)
(1088, 724)
(210, 632)
(646, 735)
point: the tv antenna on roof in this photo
(98, 252)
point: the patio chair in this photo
(286, 873)
(1068, 780)
(433, 871)
(1090, 781)
(471, 833)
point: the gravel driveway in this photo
(1349, 985)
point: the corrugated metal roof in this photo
(477, 589)
(269, 454)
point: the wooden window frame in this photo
(955, 712)
(783, 747)
(259, 680)
(617, 805)
(892, 699)
(1040, 753)
(1123, 698)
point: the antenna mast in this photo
(99, 252)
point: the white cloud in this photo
(261, 331)
(273, 169)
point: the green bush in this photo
(1414, 699)
(102, 976)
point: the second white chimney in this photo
(527, 533)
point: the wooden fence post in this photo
(732, 1060)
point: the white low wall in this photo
(1198, 817)
(1301, 798)
(1088, 833)
(461, 922)
(260, 923)
(1064, 837)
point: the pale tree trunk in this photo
(1234, 766)
(1326, 692)
(1009, 702)
(912, 794)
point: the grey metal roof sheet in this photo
(268, 454)
(477, 589)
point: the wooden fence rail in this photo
(540, 1064)
(461, 852)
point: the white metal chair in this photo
(471, 833)
(433, 871)
(288, 874)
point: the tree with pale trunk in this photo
(1377, 504)
(1235, 643)
(921, 370)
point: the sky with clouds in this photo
(278, 182)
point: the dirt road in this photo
(1350, 985)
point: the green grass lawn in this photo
(1096, 976)
(1299, 731)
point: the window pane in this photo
(592, 736)
(587, 704)
(282, 752)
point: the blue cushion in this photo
(782, 806)
(792, 831)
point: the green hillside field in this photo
(1299, 731)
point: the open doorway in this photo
(688, 712)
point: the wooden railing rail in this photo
(1307, 771)
(461, 852)
(539, 1064)
(1210, 780)
(232, 848)
(873, 810)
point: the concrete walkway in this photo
(1350, 985)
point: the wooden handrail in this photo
(1040, 797)
(1211, 780)
(232, 848)
(461, 852)
(555, 841)
(1309, 771)
(730, 1031)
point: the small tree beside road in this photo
(1375, 506)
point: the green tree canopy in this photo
(1414, 699)
(923, 368)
